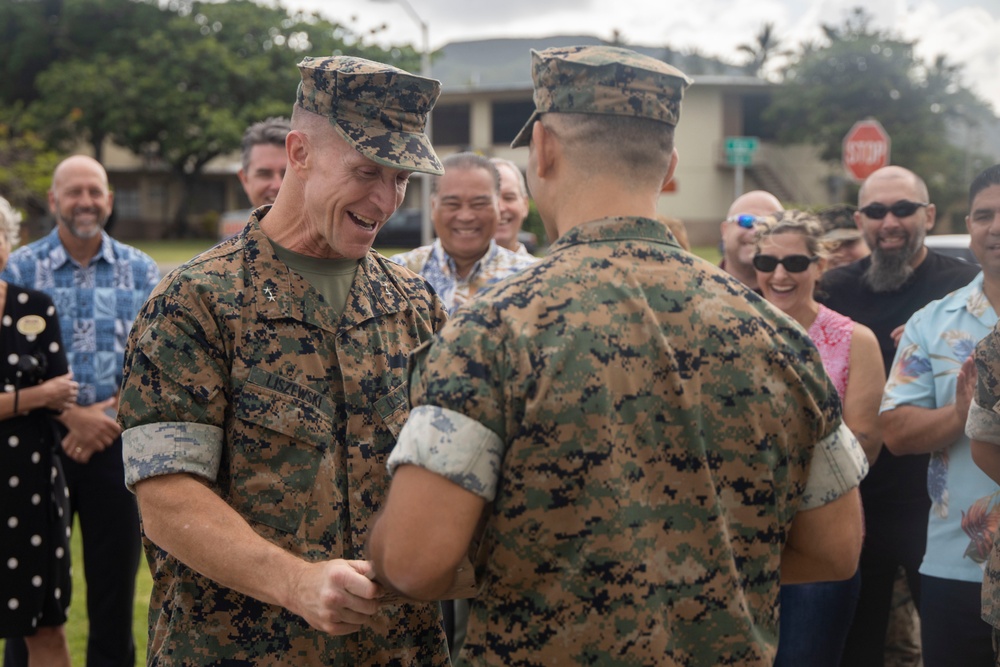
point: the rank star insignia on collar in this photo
(269, 293)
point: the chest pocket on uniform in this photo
(280, 434)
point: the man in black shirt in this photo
(882, 291)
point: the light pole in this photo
(426, 228)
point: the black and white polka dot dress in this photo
(35, 583)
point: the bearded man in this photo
(882, 291)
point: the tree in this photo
(763, 49)
(863, 72)
(176, 84)
(26, 164)
(215, 68)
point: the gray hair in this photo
(501, 162)
(269, 131)
(10, 222)
(466, 162)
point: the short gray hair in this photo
(269, 131)
(499, 161)
(10, 222)
(467, 161)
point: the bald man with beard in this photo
(882, 291)
(738, 234)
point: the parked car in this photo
(401, 230)
(955, 245)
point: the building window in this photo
(127, 203)
(509, 118)
(450, 125)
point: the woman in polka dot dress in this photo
(34, 507)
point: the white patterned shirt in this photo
(439, 269)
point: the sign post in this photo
(739, 154)
(865, 149)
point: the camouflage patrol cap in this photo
(604, 80)
(379, 109)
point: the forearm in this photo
(394, 573)
(912, 430)
(824, 544)
(186, 519)
(423, 533)
(22, 401)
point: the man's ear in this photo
(543, 142)
(670, 171)
(297, 149)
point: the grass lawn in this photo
(167, 252)
(76, 625)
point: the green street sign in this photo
(742, 144)
(740, 150)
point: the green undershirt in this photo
(330, 277)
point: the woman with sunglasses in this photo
(789, 261)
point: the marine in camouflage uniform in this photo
(984, 426)
(244, 376)
(638, 429)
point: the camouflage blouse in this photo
(237, 373)
(645, 428)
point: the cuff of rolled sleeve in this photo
(451, 445)
(838, 465)
(983, 424)
(166, 448)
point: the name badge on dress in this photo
(31, 325)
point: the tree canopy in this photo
(863, 72)
(176, 83)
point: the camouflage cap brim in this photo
(523, 137)
(379, 109)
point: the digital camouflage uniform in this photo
(643, 427)
(237, 374)
(652, 424)
(984, 425)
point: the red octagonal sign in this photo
(865, 149)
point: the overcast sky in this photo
(967, 32)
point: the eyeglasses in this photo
(901, 209)
(792, 263)
(745, 221)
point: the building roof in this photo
(505, 64)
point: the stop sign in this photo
(865, 149)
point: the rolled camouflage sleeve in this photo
(452, 445)
(171, 447)
(172, 401)
(838, 465)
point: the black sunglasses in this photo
(792, 263)
(901, 209)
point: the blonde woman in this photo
(789, 261)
